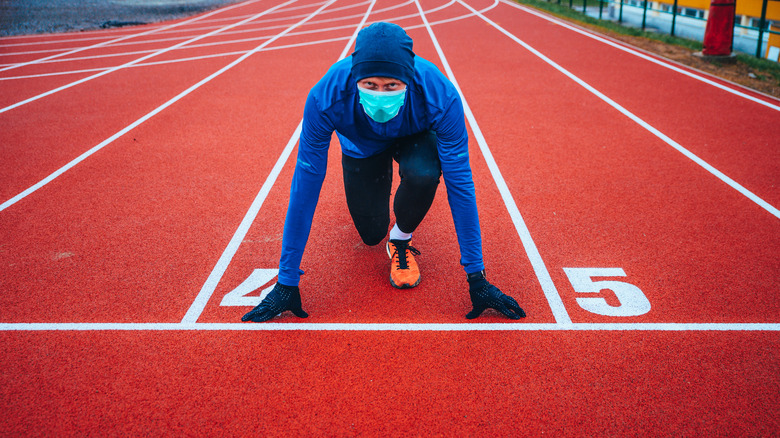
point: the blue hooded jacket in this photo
(432, 103)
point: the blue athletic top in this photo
(432, 103)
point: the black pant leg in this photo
(420, 172)
(367, 185)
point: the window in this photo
(756, 22)
(691, 12)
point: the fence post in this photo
(585, 7)
(620, 16)
(674, 16)
(644, 14)
(601, 8)
(761, 24)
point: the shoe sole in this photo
(405, 286)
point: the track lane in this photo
(58, 255)
(139, 32)
(118, 87)
(239, 37)
(455, 383)
(680, 236)
(364, 295)
(732, 134)
(134, 204)
(166, 48)
(558, 382)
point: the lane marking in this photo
(398, 327)
(248, 29)
(666, 139)
(203, 297)
(258, 278)
(143, 58)
(193, 58)
(391, 327)
(239, 52)
(642, 55)
(126, 37)
(235, 41)
(208, 288)
(149, 115)
(548, 287)
(98, 34)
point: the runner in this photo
(385, 104)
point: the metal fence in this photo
(676, 20)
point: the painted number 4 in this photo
(632, 301)
(240, 295)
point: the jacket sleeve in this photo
(307, 181)
(456, 170)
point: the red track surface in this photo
(113, 270)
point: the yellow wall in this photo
(744, 7)
(698, 4)
(774, 40)
(753, 8)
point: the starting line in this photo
(395, 327)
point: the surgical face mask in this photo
(381, 105)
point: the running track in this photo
(629, 204)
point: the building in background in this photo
(691, 20)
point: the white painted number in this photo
(632, 301)
(238, 296)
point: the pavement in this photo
(23, 17)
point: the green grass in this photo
(764, 68)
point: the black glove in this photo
(281, 298)
(486, 296)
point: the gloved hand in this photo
(280, 298)
(486, 296)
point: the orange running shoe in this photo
(404, 272)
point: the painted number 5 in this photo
(632, 301)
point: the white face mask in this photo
(382, 105)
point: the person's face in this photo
(376, 83)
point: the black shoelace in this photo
(400, 248)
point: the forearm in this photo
(304, 194)
(463, 205)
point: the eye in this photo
(368, 84)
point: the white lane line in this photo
(718, 174)
(241, 52)
(642, 55)
(149, 115)
(548, 287)
(233, 41)
(210, 24)
(144, 58)
(208, 288)
(249, 29)
(398, 327)
(126, 37)
(193, 58)
(203, 297)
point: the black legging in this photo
(368, 181)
